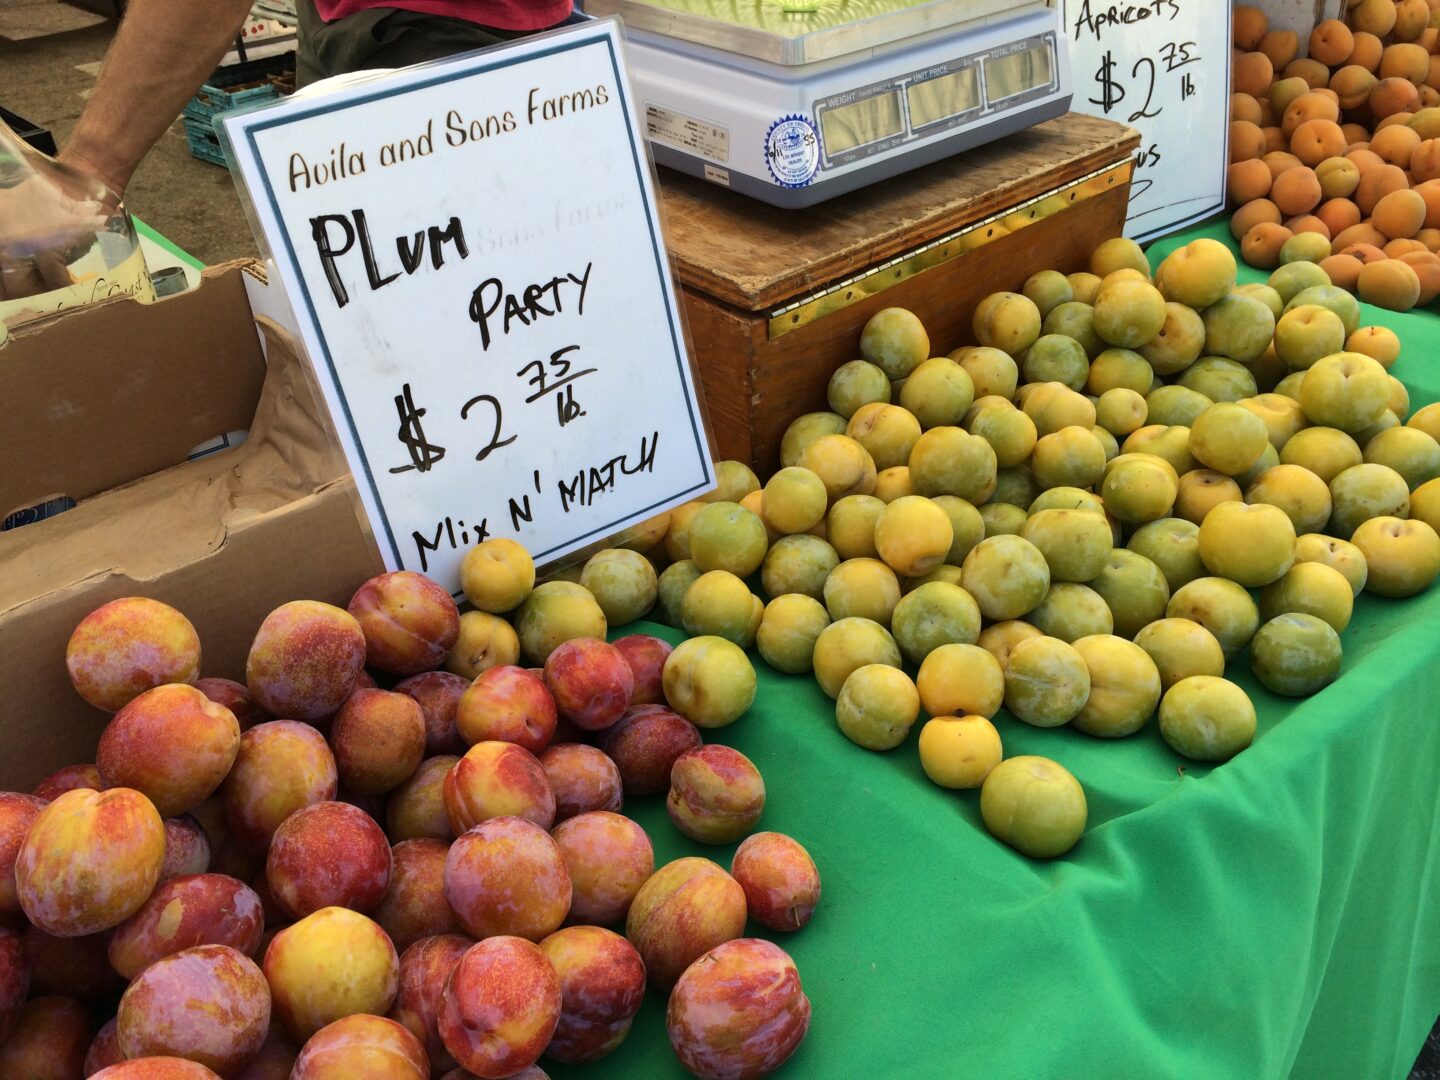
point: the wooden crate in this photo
(776, 299)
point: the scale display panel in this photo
(942, 97)
(1006, 76)
(862, 122)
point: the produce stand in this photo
(776, 298)
(1266, 919)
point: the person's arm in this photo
(163, 52)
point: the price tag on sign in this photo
(474, 257)
(1163, 67)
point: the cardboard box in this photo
(103, 404)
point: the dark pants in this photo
(383, 38)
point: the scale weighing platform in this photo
(796, 101)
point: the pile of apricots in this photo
(1335, 155)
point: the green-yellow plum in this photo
(1006, 321)
(709, 681)
(1290, 385)
(1075, 543)
(958, 752)
(1267, 460)
(1425, 503)
(1332, 297)
(726, 536)
(788, 631)
(675, 582)
(1070, 457)
(1173, 545)
(1363, 492)
(1283, 418)
(950, 575)
(1124, 686)
(887, 432)
(1009, 431)
(877, 706)
(1139, 488)
(1237, 326)
(1035, 805)
(797, 564)
(999, 638)
(1002, 519)
(1306, 334)
(847, 644)
(1071, 611)
(1222, 607)
(1220, 378)
(1251, 544)
(850, 525)
(932, 615)
(1300, 494)
(991, 371)
(1311, 588)
(1181, 648)
(1402, 557)
(959, 680)
(1198, 274)
(1266, 295)
(843, 464)
(1119, 252)
(1075, 319)
(1206, 718)
(895, 340)
(1121, 411)
(856, 383)
(1295, 654)
(1292, 278)
(804, 430)
(1348, 391)
(1046, 681)
(862, 588)
(1056, 358)
(1067, 498)
(1170, 444)
(1133, 588)
(967, 527)
(794, 501)
(1228, 438)
(1409, 451)
(1200, 491)
(1048, 289)
(1179, 343)
(1129, 314)
(623, 582)
(893, 483)
(719, 603)
(913, 536)
(951, 461)
(1339, 555)
(1324, 451)
(553, 614)
(938, 392)
(1174, 405)
(1007, 575)
(1053, 406)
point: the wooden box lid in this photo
(756, 257)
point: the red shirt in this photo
(500, 14)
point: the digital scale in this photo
(796, 101)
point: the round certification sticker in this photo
(792, 151)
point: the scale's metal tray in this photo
(796, 32)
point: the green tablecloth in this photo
(1276, 916)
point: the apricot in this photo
(1306, 107)
(1315, 74)
(1391, 284)
(1427, 268)
(1308, 223)
(1412, 18)
(1393, 95)
(1405, 61)
(1255, 212)
(1316, 140)
(1248, 26)
(1275, 140)
(1247, 141)
(1343, 270)
(1373, 16)
(1367, 51)
(1261, 245)
(1400, 214)
(1331, 42)
(1396, 144)
(1425, 161)
(1338, 213)
(1242, 107)
(1398, 249)
(1429, 190)
(1251, 73)
(1364, 253)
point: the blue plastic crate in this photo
(213, 100)
(204, 143)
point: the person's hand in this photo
(51, 213)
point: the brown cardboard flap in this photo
(224, 539)
(106, 394)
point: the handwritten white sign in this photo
(474, 257)
(1163, 67)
